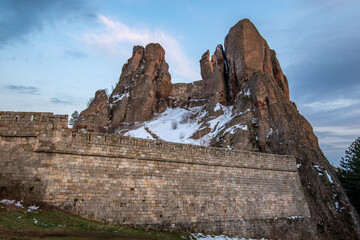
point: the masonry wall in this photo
(146, 183)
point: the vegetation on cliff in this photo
(349, 173)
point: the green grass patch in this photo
(17, 223)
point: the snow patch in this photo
(329, 177)
(196, 236)
(269, 133)
(139, 133)
(246, 93)
(18, 204)
(118, 97)
(162, 126)
(189, 121)
(247, 110)
(11, 202)
(254, 121)
(295, 217)
(235, 128)
(7, 202)
(33, 208)
(319, 170)
(217, 107)
(218, 124)
(334, 195)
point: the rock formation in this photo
(144, 85)
(96, 117)
(244, 82)
(277, 127)
(142, 90)
(248, 52)
(213, 73)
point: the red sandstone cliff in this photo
(245, 105)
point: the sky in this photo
(54, 54)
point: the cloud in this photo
(23, 89)
(334, 140)
(331, 105)
(76, 54)
(116, 33)
(338, 130)
(20, 18)
(61, 102)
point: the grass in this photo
(17, 223)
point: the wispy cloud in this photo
(339, 130)
(331, 105)
(335, 139)
(61, 102)
(116, 33)
(22, 89)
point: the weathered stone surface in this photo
(248, 52)
(189, 94)
(207, 73)
(181, 92)
(220, 78)
(280, 78)
(144, 81)
(96, 117)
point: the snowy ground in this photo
(200, 236)
(18, 204)
(179, 124)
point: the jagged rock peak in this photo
(247, 52)
(143, 85)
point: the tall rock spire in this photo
(144, 85)
(248, 52)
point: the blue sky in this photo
(54, 54)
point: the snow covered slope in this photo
(180, 124)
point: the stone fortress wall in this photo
(155, 184)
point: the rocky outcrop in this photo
(219, 94)
(144, 85)
(256, 83)
(280, 78)
(207, 73)
(143, 89)
(245, 87)
(281, 129)
(96, 117)
(248, 52)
